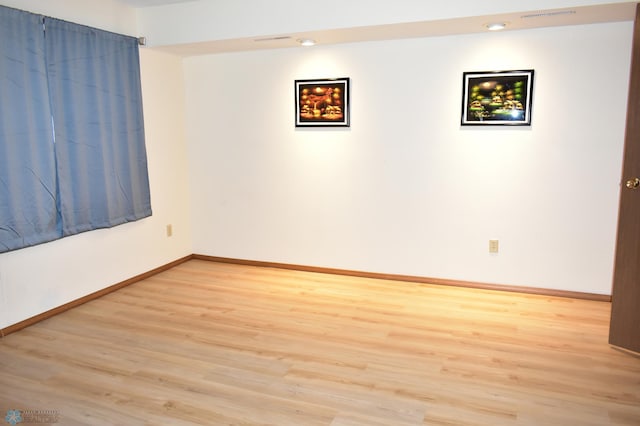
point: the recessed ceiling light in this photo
(306, 41)
(496, 26)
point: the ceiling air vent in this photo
(272, 38)
(546, 14)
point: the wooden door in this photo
(625, 309)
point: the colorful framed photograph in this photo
(322, 102)
(497, 98)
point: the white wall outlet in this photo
(493, 246)
(169, 230)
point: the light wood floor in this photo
(219, 344)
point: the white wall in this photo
(406, 189)
(36, 279)
(108, 15)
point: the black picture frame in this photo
(497, 98)
(322, 102)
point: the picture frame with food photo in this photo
(322, 102)
(497, 98)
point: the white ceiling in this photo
(149, 3)
(613, 12)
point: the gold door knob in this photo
(633, 183)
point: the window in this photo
(72, 152)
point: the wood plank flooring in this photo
(220, 344)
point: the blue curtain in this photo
(96, 100)
(28, 212)
(72, 149)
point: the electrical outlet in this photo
(169, 230)
(493, 246)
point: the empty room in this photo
(356, 212)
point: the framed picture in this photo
(322, 103)
(497, 98)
